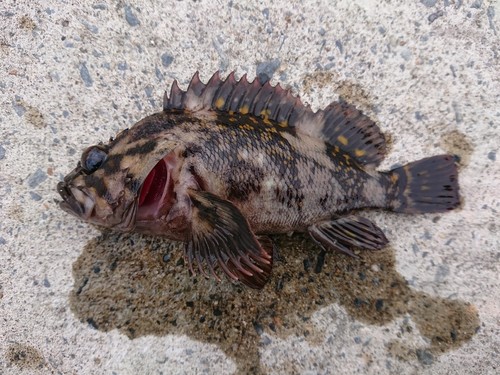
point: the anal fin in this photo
(220, 235)
(347, 233)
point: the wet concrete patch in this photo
(32, 115)
(140, 285)
(24, 357)
(348, 91)
(457, 143)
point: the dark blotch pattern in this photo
(241, 186)
(97, 183)
(142, 149)
(112, 164)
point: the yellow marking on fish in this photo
(232, 119)
(219, 103)
(342, 139)
(359, 152)
(283, 124)
(394, 178)
(424, 188)
(244, 110)
(254, 120)
(347, 159)
(265, 117)
(267, 121)
(246, 127)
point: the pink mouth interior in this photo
(156, 192)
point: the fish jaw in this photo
(75, 201)
(80, 203)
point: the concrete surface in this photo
(75, 301)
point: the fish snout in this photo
(75, 200)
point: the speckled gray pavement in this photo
(73, 301)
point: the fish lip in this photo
(71, 204)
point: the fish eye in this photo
(92, 159)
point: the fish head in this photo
(113, 183)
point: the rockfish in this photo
(229, 162)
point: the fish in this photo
(230, 163)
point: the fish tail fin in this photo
(424, 186)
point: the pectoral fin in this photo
(220, 235)
(347, 233)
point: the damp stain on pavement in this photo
(140, 286)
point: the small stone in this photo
(46, 282)
(159, 75)
(339, 45)
(36, 178)
(424, 357)
(477, 4)
(266, 69)
(85, 75)
(217, 312)
(379, 304)
(357, 340)
(92, 28)
(122, 66)
(375, 268)
(166, 59)
(2, 241)
(35, 196)
(320, 262)
(429, 3)
(441, 273)
(130, 16)
(2, 152)
(258, 328)
(19, 108)
(434, 16)
(406, 54)
(148, 90)
(492, 155)
(307, 265)
(265, 340)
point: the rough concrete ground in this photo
(73, 300)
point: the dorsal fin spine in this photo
(340, 124)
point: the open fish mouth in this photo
(156, 195)
(75, 201)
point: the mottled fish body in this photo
(228, 162)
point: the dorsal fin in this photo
(340, 124)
